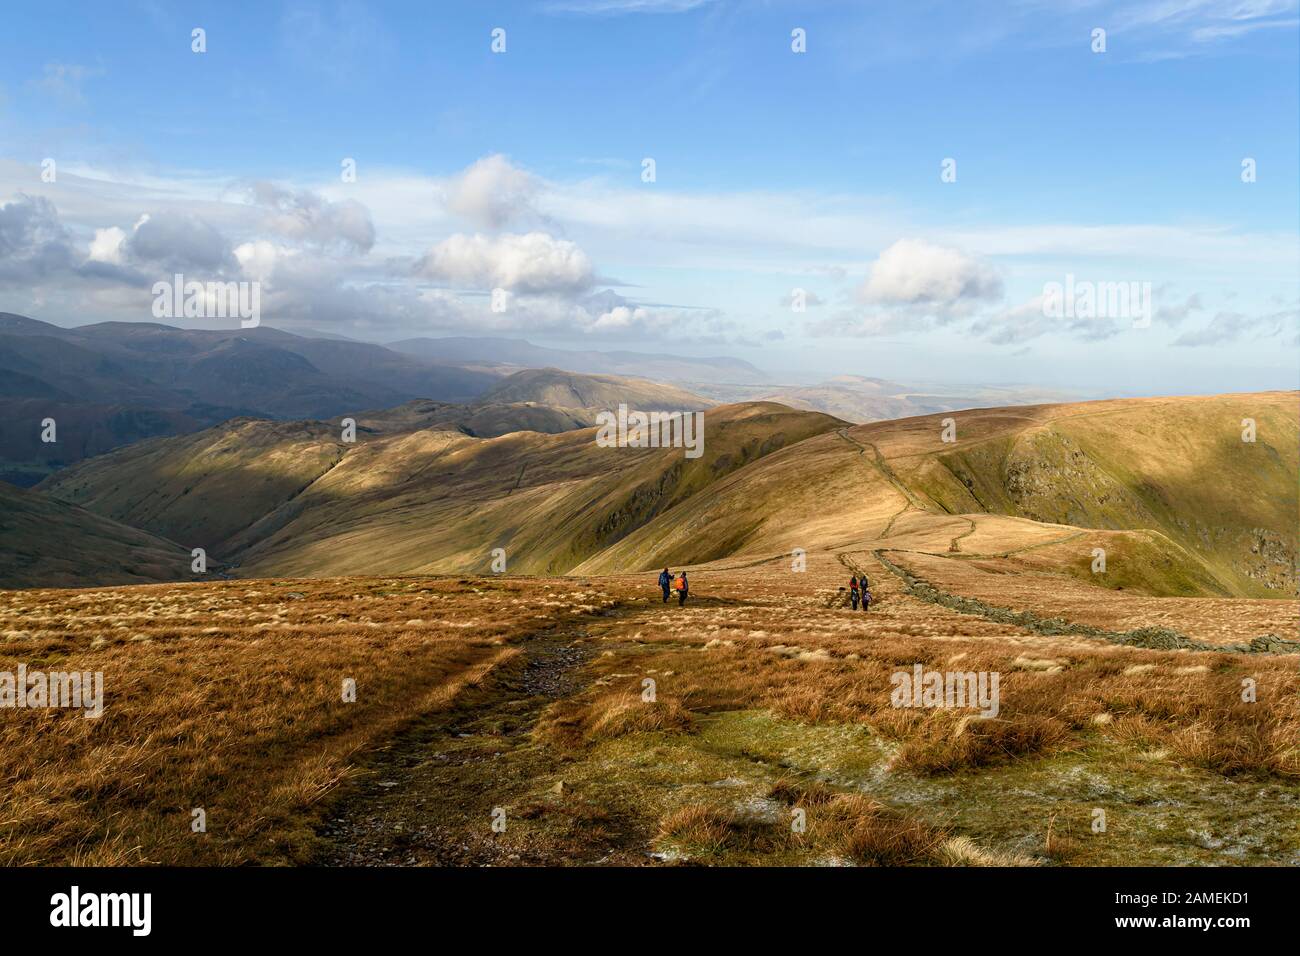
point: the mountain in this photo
(517, 352)
(50, 543)
(289, 498)
(550, 386)
(113, 383)
(1155, 483)
(478, 420)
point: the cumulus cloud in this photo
(178, 241)
(913, 272)
(307, 217)
(260, 258)
(492, 193)
(107, 246)
(914, 285)
(533, 262)
(33, 241)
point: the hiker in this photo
(683, 588)
(666, 583)
(866, 595)
(853, 591)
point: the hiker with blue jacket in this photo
(666, 583)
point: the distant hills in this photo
(114, 383)
(857, 398)
(1157, 483)
(552, 386)
(111, 384)
(290, 498)
(664, 368)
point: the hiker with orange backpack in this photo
(683, 588)
(853, 591)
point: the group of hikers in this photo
(858, 592)
(668, 583)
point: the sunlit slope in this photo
(1167, 486)
(560, 389)
(201, 489)
(437, 501)
(49, 543)
(1177, 467)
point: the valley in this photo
(552, 709)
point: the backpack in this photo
(680, 583)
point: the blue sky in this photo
(775, 170)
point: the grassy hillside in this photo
(435, 502)
(1180, 504)
(550, 386)
(201, 489)
(289, 498)
(1199, 510)
(49, 543)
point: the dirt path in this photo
(428, 798)
(882, 465)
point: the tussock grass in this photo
(704, 830)
(226, 697)
(574, 722)
(1188, 703)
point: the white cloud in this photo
(34, 245)
(307, 216)
(178, 241)
(916, 272)
(533, 262)
(259, 259)
(492, 193)
(107, 246)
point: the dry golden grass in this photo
(608, 716)
(792, 654)
(846, 826)
(228, 697)
(1049, 591)
(708, 830)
